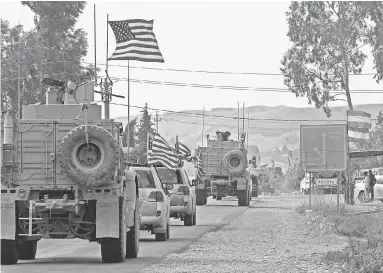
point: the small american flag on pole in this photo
(182, 150)
(135, 40)
(359, 125)
(199, 166)
(159, 151)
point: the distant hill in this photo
(269, 135)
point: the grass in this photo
(322, 204)
(364, 233)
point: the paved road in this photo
(85, 257)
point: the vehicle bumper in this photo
(157, 222)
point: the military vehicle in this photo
(64, 177)
(223, 170)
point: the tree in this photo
(327, 40)
(53, 49)
(145, 125)
(132, 125)
(284, 149)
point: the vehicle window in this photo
(381, 172)
(167, 175)
(185, 175)
(145, 179)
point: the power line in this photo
(231, 126)
(223, 87)
(212, 72)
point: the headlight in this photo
(88, 192)
(22, 193)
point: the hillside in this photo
(269, 136)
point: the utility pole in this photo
(157, 120)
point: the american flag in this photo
(182, 150)
(199, 166)
(159, 151)
(135, 40)
(359, 125)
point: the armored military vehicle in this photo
(223, 170)
(64, 177)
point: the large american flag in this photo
(359, 125)
(159, 151)
(182, 150)
(135, 40)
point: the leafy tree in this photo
(143, 129)
(145, 125)
(284, 149)
(132, 125)
(327, 39)
(53, 49)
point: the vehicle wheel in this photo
(162, 236)
(362, 197)
(219, 197)
(200, 197)
(195, 217)
(168, 231)
(133, 237)
(27, 250)
(243, 198)
(92, 165)
(113, 250)
(188, 220)
(234, 162)
(9, 252)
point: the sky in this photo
(194, 35)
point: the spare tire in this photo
(91, 166)
(234, 162)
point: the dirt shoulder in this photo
(270, 236)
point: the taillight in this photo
(156, 196)
(184, 189)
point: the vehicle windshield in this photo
(145, 179)
(167, 175)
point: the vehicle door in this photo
(147, 189)
(378, 189)
(161, 187)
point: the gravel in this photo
(268, 237)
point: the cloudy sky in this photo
(210, 36)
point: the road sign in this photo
(324, 147)
(322, 182)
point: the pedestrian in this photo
(372, 184)
(367, 185)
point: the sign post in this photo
(324, 149)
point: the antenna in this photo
(203, 122)
(95, 48)
(238, 121)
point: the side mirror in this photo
(194, 182)
(169, 186)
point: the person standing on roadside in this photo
(372, 184)
(367, 185)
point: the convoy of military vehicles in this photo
(65, 176)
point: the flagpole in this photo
(95, 47)
(128, 133)
(248, 126)
(107, 40)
